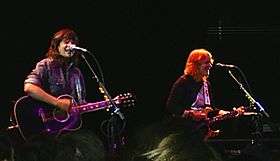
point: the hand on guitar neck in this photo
(235, 112)
(240, 110)
(199, 115)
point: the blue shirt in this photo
(58, 79)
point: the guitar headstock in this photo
(125, 99)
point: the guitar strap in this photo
(78, 88)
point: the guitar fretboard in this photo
(230, 115)
(126, 100)
(90, 107)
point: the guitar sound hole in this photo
(60, 115)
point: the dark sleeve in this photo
(181, 96)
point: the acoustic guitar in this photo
(35, 117)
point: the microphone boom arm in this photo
(247, 94)
(115, 109)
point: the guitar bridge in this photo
(42, 115)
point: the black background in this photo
(142, 46)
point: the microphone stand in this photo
(113, 108)
(250, 98)
(257, 135)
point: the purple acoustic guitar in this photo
(35, 117)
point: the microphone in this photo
(225, 65)
(74, 47)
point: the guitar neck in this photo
(90, 107)
(126, 100)
(230, 115)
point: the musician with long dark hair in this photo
(57, 74)
(57, 80)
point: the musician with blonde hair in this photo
(189, 106)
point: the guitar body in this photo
(206, 123)
(38, 118)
